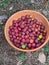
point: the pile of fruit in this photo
(27, 33)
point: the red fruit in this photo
(37, 23)
(23, 33)
(38, 32)
(16, 24)
(24, 30)
(27, 16)
(21, 43)
(42, 27)
(35, 20)
(13, 33)
(31, 35)
(29, 20)
(33, 45)
(18, 45)
(44, 37)
(10, 32)
(23, 40)
(26, 44)
(30, 26)
(37, 26)
(15, 40)
(15, 30)
(10, 36)
(14, 36)
(22, 26)
(32, 29)
(27, 40)
(14, 27)
(18, 41)
(36, 35)
(19, 35)
(11, 39)
(29, 45)
(10, 27)
(23, 18)
(44, 34)
(27, 32)
(19, 20)
(33, 25)
(34, 32)
(37, 45)
(14, 21)
(22, 36)
(31, 40)
(40, 23)
(26, 36)
(36, 41)
(42, 41)
(19, 28)
(27, 48)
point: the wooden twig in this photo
(45, 1)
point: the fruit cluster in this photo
(27, 33)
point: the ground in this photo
(10, 56)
